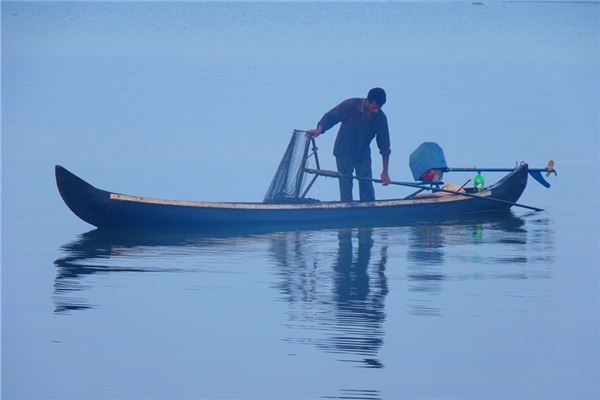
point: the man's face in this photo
(373, 107)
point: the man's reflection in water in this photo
(350, 313)
(359, 297)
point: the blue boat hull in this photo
(105, 209)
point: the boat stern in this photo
(511, 187)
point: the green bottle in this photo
(478, 182)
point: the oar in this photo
(333, 174)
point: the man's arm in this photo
(331, 117)
(385, 178)
(383, 142)
(313, 133)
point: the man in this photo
(362, 120)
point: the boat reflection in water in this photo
(336, 282)
(474, 250)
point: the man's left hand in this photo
(385, 179)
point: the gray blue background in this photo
(197, 101)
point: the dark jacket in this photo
(357, 130)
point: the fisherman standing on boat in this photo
(362, 120)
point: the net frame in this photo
(288, 181)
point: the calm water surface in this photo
(197, 101)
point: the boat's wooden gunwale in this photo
(268, 206)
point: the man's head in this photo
(375, 99)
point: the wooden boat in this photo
(106, 209)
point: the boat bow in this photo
(86, 201)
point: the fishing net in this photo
(287, 184)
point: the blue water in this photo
(197, 101)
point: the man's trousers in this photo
(347, 166)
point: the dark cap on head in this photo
(377, 95)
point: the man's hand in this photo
(313, 133)
(385, 178)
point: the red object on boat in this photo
(432, 175)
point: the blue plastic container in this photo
(428, 155)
